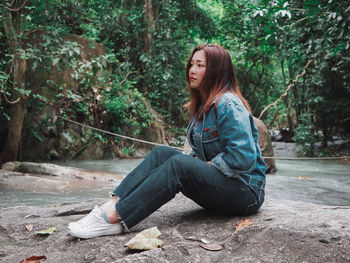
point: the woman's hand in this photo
(209, 162)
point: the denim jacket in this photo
(227, 136)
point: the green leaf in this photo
(48, 231)
(55, 61)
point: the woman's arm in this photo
(234, 124)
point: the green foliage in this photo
(306, 135)
(271, 41)
(125, 108)
(140, 79)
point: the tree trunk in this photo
(18, 110)
(150, 19)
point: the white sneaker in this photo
(94, 225)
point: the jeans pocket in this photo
(254, 200)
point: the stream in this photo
(317, 181)
(323, 182)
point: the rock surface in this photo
(282, 231)
(265, 145)
(49, 177)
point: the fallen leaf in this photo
(29, 227)
(34, 259)
(211, 246)
(145, 240)
(243, 223)
(48, 231)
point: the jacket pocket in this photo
(211, 142)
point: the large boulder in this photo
(45, 134)
(282, 231)
(265, 145)
(52, 178)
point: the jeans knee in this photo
(159, 148)
(163, 150)
(181, 161)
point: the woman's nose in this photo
(192, 69)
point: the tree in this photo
(313, 30)
(12, 24)
(272, 41)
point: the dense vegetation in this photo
(140, 77)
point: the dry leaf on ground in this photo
(145, 240)
(243, 224)
(29, 227)
(34, 259)
(211, 246)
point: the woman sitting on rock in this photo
(224, 172)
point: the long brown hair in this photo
(219, 78)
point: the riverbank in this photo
(282, 231)
(325, 182)
(338, 146)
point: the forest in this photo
(119, 65)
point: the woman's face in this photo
(197, 69)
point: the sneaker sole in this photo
(91, 236)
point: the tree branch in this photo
(288, 88)
(11, 102)
(273, 119)
(127, 75)
(9, 7)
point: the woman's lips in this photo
(192, 79)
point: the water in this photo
(322, 182)
(92, 189)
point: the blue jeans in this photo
(165, 172)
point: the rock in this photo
(282, 231)
(10, 166)
(187, 148)
(57, 170)
(265, 145)
(49, 177)
(141, 152)
(275, 135)
(285, 149)
(50, 141)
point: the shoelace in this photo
(90, 218)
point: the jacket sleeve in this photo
(234, 124)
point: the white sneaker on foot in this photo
(94, 225)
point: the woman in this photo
(224, 172)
